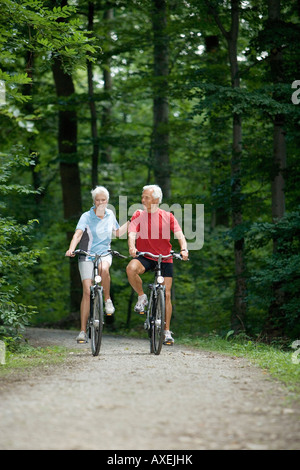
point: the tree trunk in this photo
(275, 321)
(106, 113)
(279, 165)
(36, 175)
(69, 170)
(239, 305)
(94, 131)
(279, 147)
(160, 143)
(219, 213)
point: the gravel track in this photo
(128, 399)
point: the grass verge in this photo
(25, 357)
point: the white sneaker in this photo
(82, 337)
(168, 341)
(141, 304)
(109, 307)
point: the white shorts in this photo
(86, 267)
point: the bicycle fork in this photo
(94, 289)
(94, 321)
(150, 321)
(147, 323)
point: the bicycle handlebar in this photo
(171, 255)
(94, 255)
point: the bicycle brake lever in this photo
(116, 253)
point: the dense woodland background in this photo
(197, 96)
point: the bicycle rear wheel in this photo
(97, 322)
(158, 325)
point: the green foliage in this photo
(16, 258)
(201, 104)
(48, 276)
(33, 26)
(280, 269)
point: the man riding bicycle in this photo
(150, 231)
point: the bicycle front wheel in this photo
(149, 324)
(158, 325)
(97, 323)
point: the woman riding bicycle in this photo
(94, 232)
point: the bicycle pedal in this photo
(139, 313)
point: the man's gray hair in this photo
(99, 189)
(157, 192)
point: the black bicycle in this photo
(96, 318)
(156, 310)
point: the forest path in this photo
(129, 399)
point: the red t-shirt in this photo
(154, 231)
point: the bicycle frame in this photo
(158, 284)
(96, 319)
(95, 258)
(153, 324)
(96, 280)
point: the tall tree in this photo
(106, 149)
(68, 158)
(279, 144)
(92, 104)
(274, 321)
(231, 37)
(32, 30)
(160, 143)
(220, 211)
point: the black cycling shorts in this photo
(150, 265)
